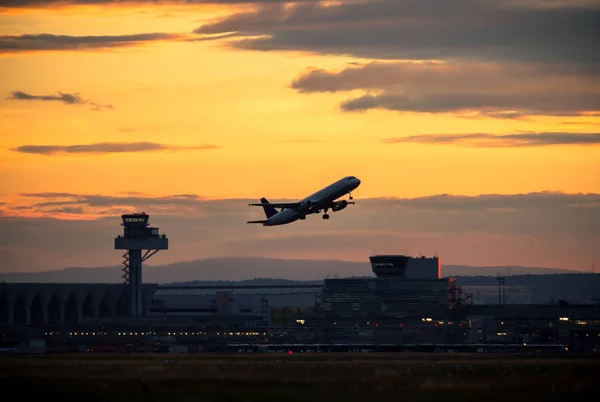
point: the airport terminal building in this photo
(406, 304)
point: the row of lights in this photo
(154, 333)
(136, 333)
(580, 322)
(206, 333)
(87, 333)
(186, 333)
(242, 333)
(77, 333)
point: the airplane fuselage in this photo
(321, 200)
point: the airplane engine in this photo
(306, 206)
(338, 206)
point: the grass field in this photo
(301, 377)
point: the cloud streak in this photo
(50, 42)
(16, 44)
(502, 141)
(503, 90)
(441, 204)
(106, 148)
(66, 98)
(490, 229)
(133, 3)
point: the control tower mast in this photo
(137, 236)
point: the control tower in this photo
(137, 236)
(405, 267)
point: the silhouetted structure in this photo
(137, 236)
(406, 267)
(501, 288)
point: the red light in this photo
(400, 324)
(376, 325)
(289, 352)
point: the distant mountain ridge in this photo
(244, 269)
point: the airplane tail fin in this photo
(269, 210)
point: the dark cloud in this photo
(47, 42)
(487, 104)
(506, 140)
(104, 204)
(105, 147)
(482, 230)
(425, 29)
(96, 200)
(433, 212)
(53, 3)
(67, 210)
(507, 90)
(66, 98)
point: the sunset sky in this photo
(474, 126)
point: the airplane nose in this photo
(357, 182)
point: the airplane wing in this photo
(291, 205)
(347, 202)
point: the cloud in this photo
(133, 3)
(506, 140)
(66, 98)
(14, 44)
(424, 29)
(199, 205)
(482, 230)
(97, 205)
(50, 42)
(105, 147)
(508, 90)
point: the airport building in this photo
(406, 305)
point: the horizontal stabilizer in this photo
(258, 221)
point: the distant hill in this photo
(239, 269)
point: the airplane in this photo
(323, 199)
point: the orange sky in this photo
(270, 139)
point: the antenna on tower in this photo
(501, 288)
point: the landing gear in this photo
(325, 215)
(350, 194)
